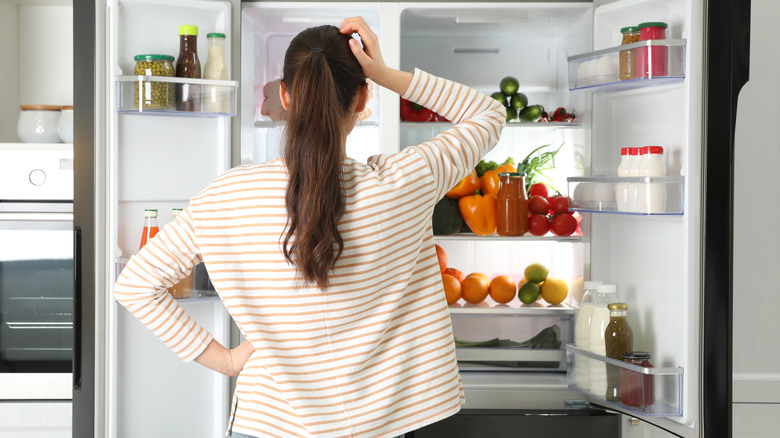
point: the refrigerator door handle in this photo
(77, 309)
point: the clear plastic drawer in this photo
(661, 195)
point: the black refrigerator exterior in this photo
(727, 49)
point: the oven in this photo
(36, 271)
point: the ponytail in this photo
(322, 78)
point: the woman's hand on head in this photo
(370, 57)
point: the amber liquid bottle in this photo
(188, 66)
(619, 340)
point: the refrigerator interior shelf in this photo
(636, 195)
(281, 123)
(514, 125)
(514, 307)
(663, 62)
(496, 237)
(155, 95)
(653, 392)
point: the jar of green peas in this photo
(148, 93)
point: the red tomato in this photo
(538, 224)
(560, 205)
(538, 189)
(563, 225)
(538, 205)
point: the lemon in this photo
(536, 272)
(529, 292)
(554, 290)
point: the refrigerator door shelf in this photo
(654, 196)
(658, 391)
(154, 95)
(201, 290)
(663, 62)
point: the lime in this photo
(531, 113)
(536, 273)
(499, 96)
(509, 85)
(511, 114)
(529, 292)
(554, 290)
(518, 101)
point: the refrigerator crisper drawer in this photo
(506, 338)
(650, 391)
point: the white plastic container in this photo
(622, 189)
(635, 193)
(38, 124)
(215, 100)
(605, 294)
(654, 194)
(65, 124)
(582, 334)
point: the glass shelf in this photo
(281, 123)
(661, 195)
(654, 392)
(157, 96)
(598, 71)
(497, 238)
(513, 125)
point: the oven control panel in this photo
(36, 172)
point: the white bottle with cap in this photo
(582, 333)
(605, 294)
(654, 193)
(624, 170)
(635, 189)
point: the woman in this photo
(327, 265)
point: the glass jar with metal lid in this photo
(627, 58)
(151, 94)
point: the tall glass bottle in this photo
(619, 340)
(150, 226)
(188, 66)
(512, 212)
(215, 98)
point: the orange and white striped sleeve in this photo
(142, 287)
(478, 121)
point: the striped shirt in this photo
(373, 356)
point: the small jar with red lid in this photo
(652, 61)
(637, 389)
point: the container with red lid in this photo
(652, 61)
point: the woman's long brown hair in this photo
(322, 78)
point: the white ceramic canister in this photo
(65, 125)
(38, 124)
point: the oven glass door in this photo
(36, 287)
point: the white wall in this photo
(756, 275)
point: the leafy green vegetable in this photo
(547, 338)
(535, 164)
(509, 160)
(446, 217)
(485, 166)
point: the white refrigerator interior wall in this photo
(756, 390)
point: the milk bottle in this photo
(582, 333)
(654, 193)
(605, 294)
(624, 170)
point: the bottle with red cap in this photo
(622, 189)
(653, 193)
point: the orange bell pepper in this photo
(479, 212)
(489, 181)
(465, 187)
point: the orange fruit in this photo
(442, 256)
(502, 289)
(457, 273)
(481, 275)
(474, 289)
(452, 288)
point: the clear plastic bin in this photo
(659, 195)
(598, 71)
(660, 388)
(511, 337)
(129, 101)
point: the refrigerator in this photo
(672, 267)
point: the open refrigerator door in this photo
(161, 154)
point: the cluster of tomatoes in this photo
(549, 213)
